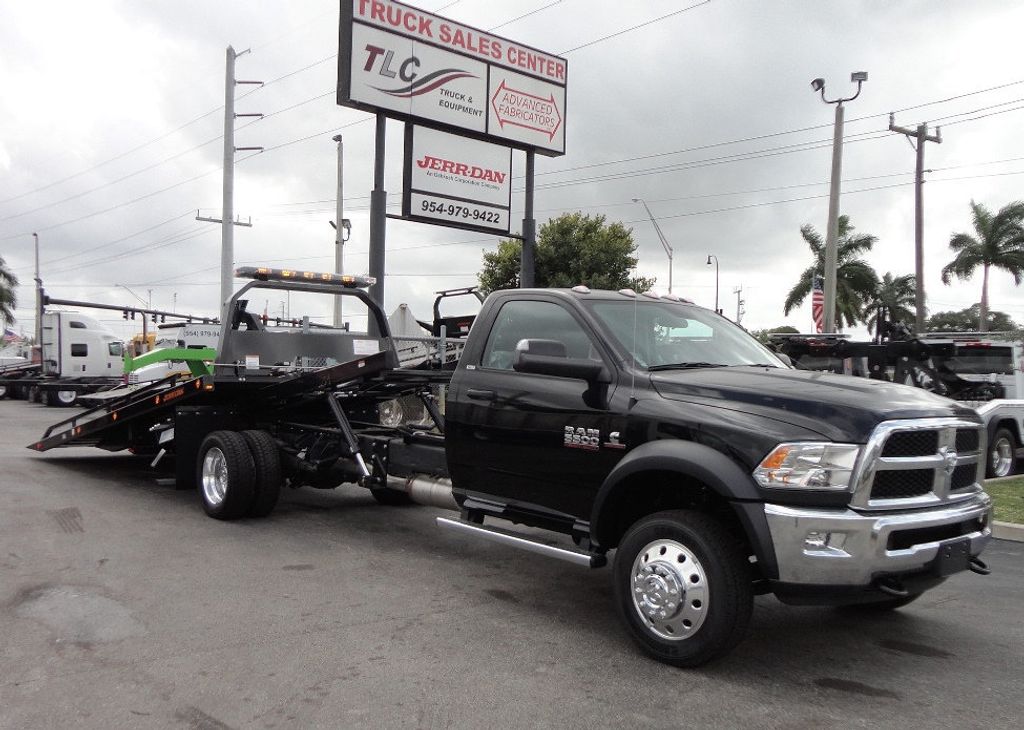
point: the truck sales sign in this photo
(454, 181)
(411, 64)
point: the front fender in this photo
(710, 467)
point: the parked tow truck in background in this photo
(982, 370)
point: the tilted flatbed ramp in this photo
(108, 425)
(97, 425)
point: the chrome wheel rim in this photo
(215, 476)
(1002, 457)
(66, 396)
(669, 588)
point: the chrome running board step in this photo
(504, 537)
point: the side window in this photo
(115, 349)
(534, 320)
(77, 325)
(79, 350)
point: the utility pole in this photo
(740, 311)
(378, 219)
(922, 136)
(528, 254)
(39, 302)
(227, 233)
(832, 234)
(340, 228)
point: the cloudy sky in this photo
(112, 120)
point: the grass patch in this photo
(1009, 499)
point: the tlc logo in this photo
(406, 70)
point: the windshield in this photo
(665, 335)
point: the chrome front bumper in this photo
(848, 548)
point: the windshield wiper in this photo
(687, 366)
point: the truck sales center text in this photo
(386, 14)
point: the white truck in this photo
(79, 355)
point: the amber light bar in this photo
(262, 273)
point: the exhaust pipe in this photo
(430, 491)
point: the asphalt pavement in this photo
(123, 605)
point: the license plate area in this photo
(953, 557)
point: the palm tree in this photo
(856, 281)
(8, 293)
(999, 243)
(896, 295)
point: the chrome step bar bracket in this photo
(494, 534)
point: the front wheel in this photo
(682, 587)
(226, 475)
(1002, 454)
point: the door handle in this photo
(475, 394)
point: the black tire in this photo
(34, 394)
(692, 554)
(44, 397)
(226, 480)
(884, 604)
(267, 460)
(1002, 454)
(63, 398)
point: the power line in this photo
(635, 27)
(524, 15)
(113, 159)
(983, 116)
(112, 182)
(115, 207)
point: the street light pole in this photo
(39, 302)
(832, 234)
(339, 230)
(712, 256)
(661, 237)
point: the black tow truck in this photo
(641, 428)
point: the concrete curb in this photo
(1007, 531)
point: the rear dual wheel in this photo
(239, 474)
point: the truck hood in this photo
(840, 407)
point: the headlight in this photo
(808, 465)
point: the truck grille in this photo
(919, 462)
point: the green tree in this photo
(966, 320)
(896, 295)
(8, 293)
(571, 249)
(856, 281)
(998, 242)
(762, 335)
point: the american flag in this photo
(818, 305)
(10, 336)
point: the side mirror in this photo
(548, 357)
